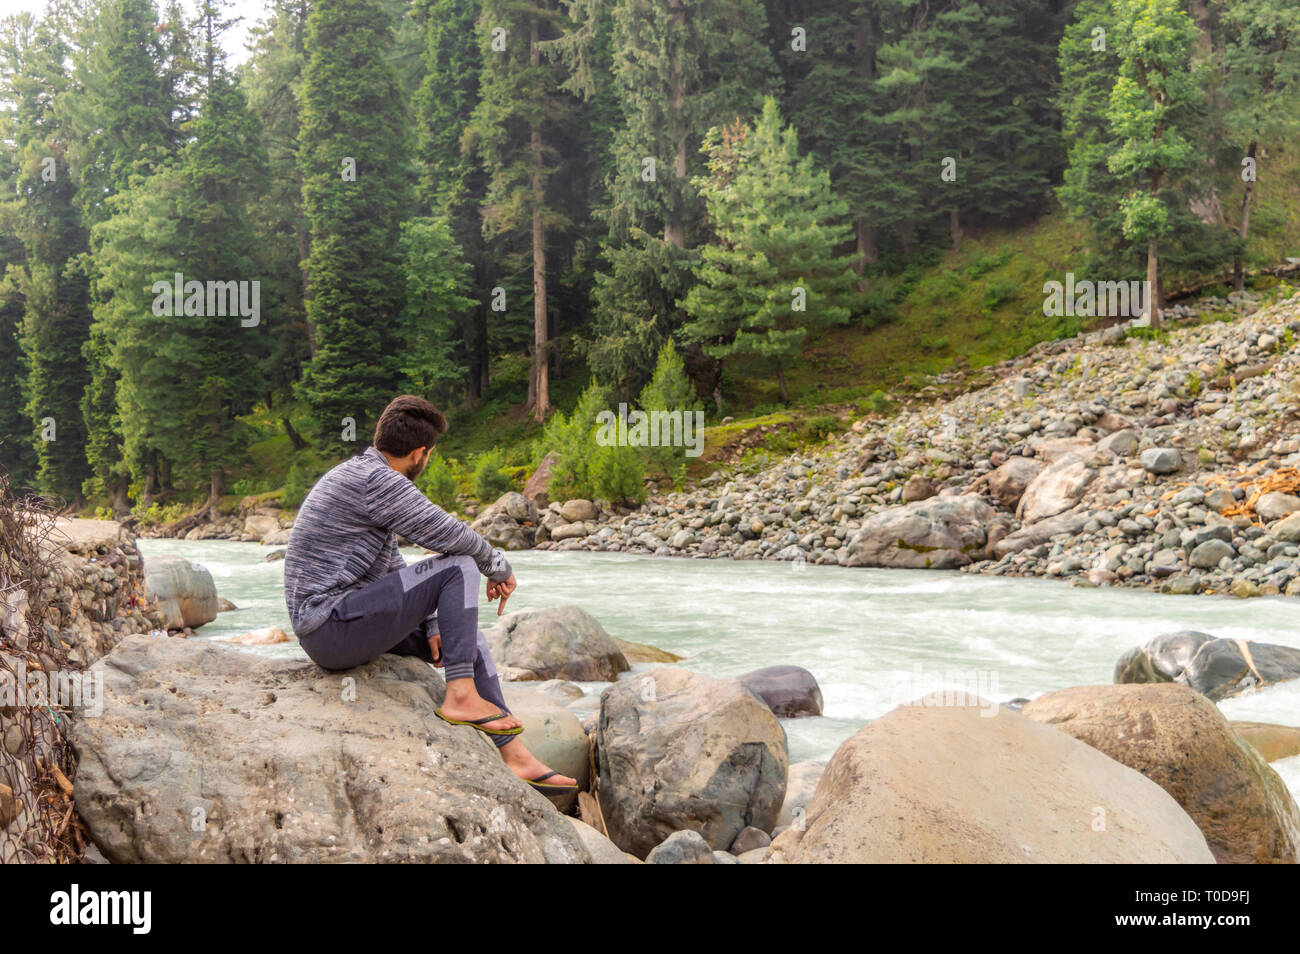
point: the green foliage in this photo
(585, 467)
(489, 482)
(302, 475)
(669, 389)
(438, 482)
(437, 278)
(772, 272)
(351, 111)
(156, 515)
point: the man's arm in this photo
(396, 504)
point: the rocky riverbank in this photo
(1170, 462)
(70, 590)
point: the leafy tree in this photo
(1150, 99)
(772, 273)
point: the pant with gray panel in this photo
(399, 613)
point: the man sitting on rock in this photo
(351, 596)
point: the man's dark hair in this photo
(407, 423)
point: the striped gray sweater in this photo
(346, 536)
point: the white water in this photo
(873, 638)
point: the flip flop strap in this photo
(486, 719)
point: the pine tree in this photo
(352, 119)
(44, 284)
(124, 110)
(270, 78)
(520, 114)
(679, 69)
(1261, 62)
(437, 279)
(772, 273)
(452, 178)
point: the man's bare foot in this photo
(526, 765)
(464, 704)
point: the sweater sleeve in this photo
(396, 504)
(395, 562)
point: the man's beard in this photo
(417, 468)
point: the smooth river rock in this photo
(553, 734)
(206, 753)
(1217, 668)
(563, 642)
(789, 691)
(679, 750)
(1272, 741)
(946, 784)
(1179, 739)
(941, 533)
(185, 593)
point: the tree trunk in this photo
(150, 480)
(1153, 282)
(216, 488)
(117, 494)
(674, 228)
(542, 396)
(1243, 230)
(868, 251)
(294, 437)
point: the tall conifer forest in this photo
(216, 270)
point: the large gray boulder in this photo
(205, 753)
(185, 593)
(678, 750)
(941, 533)
(1217, 668)
(563, 642)
(508, 522)
(953, 784)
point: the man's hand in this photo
(503, 590)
